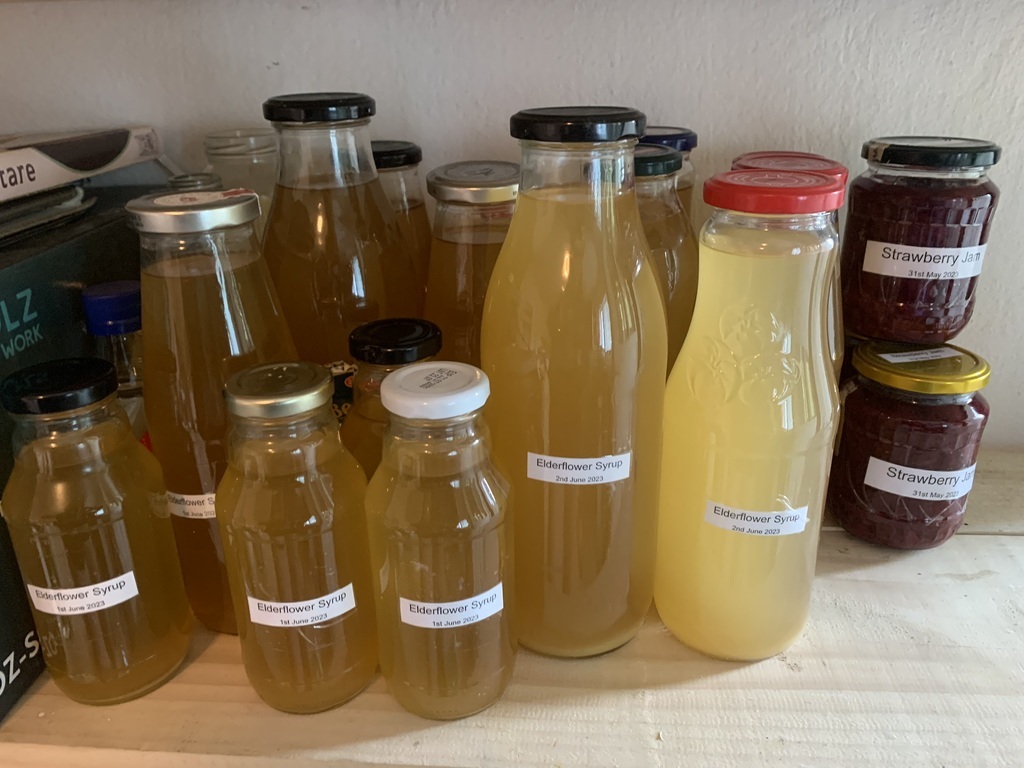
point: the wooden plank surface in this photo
(910, 659)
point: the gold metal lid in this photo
(924, 369)
(277, 390)
(184, 212)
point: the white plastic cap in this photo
(435, 391)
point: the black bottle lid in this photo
(394, 341)
(656, 160)
(395, 154)
(931, 151)
(318, 107)
(577, 124)
(57, 386)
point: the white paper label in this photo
(198, 506)
(927, 484)
(923, 263)
(566, 471)
(303, 613)
(781, 523)
(457, 614)
(96, 597)
(921, 355)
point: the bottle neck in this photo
(325, 155)
(287, 445)
(605, 169)
(402, 187)
(367, 381)
(658, 187)
(808, 222)
(71, 437)
(473, 223)
(218, 245)
(124, 351)
(421, 448)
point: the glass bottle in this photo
(87, 514)
(381, 347)
(801, 162)
(398, 165)
(332, 241)
(751, 411)
(113, 316)
(195, 182)
(475, 200)
(245, 158)
(290, 508)
(683, 141)
(441, 562)
(208, 310)
(670, 236)
(573, 342)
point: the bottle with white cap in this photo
(439, 545)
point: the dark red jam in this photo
(923, 446)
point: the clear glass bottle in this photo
(245, 158)
(441, 560)
(87, 513)
(208, 310)
(332, 241)
(574, 344)
(683, 141)
(113, 316)
(475, 200)
(290, 508)
(670, 236)
(195, 182)
(381, 347)
(398, 165)
(751, 412)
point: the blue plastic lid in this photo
(113, 308)
(680, 139)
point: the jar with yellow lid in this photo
(912, 425)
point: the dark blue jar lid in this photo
(680, 139)
(113, 308)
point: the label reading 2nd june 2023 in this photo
(95, 597)
(565, 471)
(459, 613)
(926, 484)
(781, 523)
(304, 612)
(195, 506)
(923, 263)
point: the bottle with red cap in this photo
(809, 162)
(751, 412)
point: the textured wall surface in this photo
(745, 74)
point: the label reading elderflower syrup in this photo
(198, 506)
(455, 614)
(304, 612)
(923, 263)
(781, 523)
(95, 597)
(565, 471)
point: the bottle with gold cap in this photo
(290, 509)
(912, 425)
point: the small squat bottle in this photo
(441, 564)
(290, 509)
(683, 141)
(381, 347)
(88, 518)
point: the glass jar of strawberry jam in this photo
(916, 228)
(912, 424)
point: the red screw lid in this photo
(791, 161)
(774, 192)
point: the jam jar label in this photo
(926, 484)
(455, 614)
(195, 506)
(304, 612)
(923, 263)
(921, 355)
(781, 523)
(564, 471)
(95, 597)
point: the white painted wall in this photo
(820, 75)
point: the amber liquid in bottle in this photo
(414, 227)
(83, 508)
(295, 531)
(337, 261)
(202, 321)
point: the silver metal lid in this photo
(277, 390)
(180, 212)
(475, 181)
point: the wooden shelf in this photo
(910, 659)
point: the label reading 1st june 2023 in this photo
(95, 597)
(566, 471)
(923, 263)
(781, 523)
(198, 506)
(459, 613)
(304, 612)
(926, 484)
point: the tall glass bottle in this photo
(574, 345)
(683, 141)
(245, 158)
(751, 412)
(332, 242)
(208, 310)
